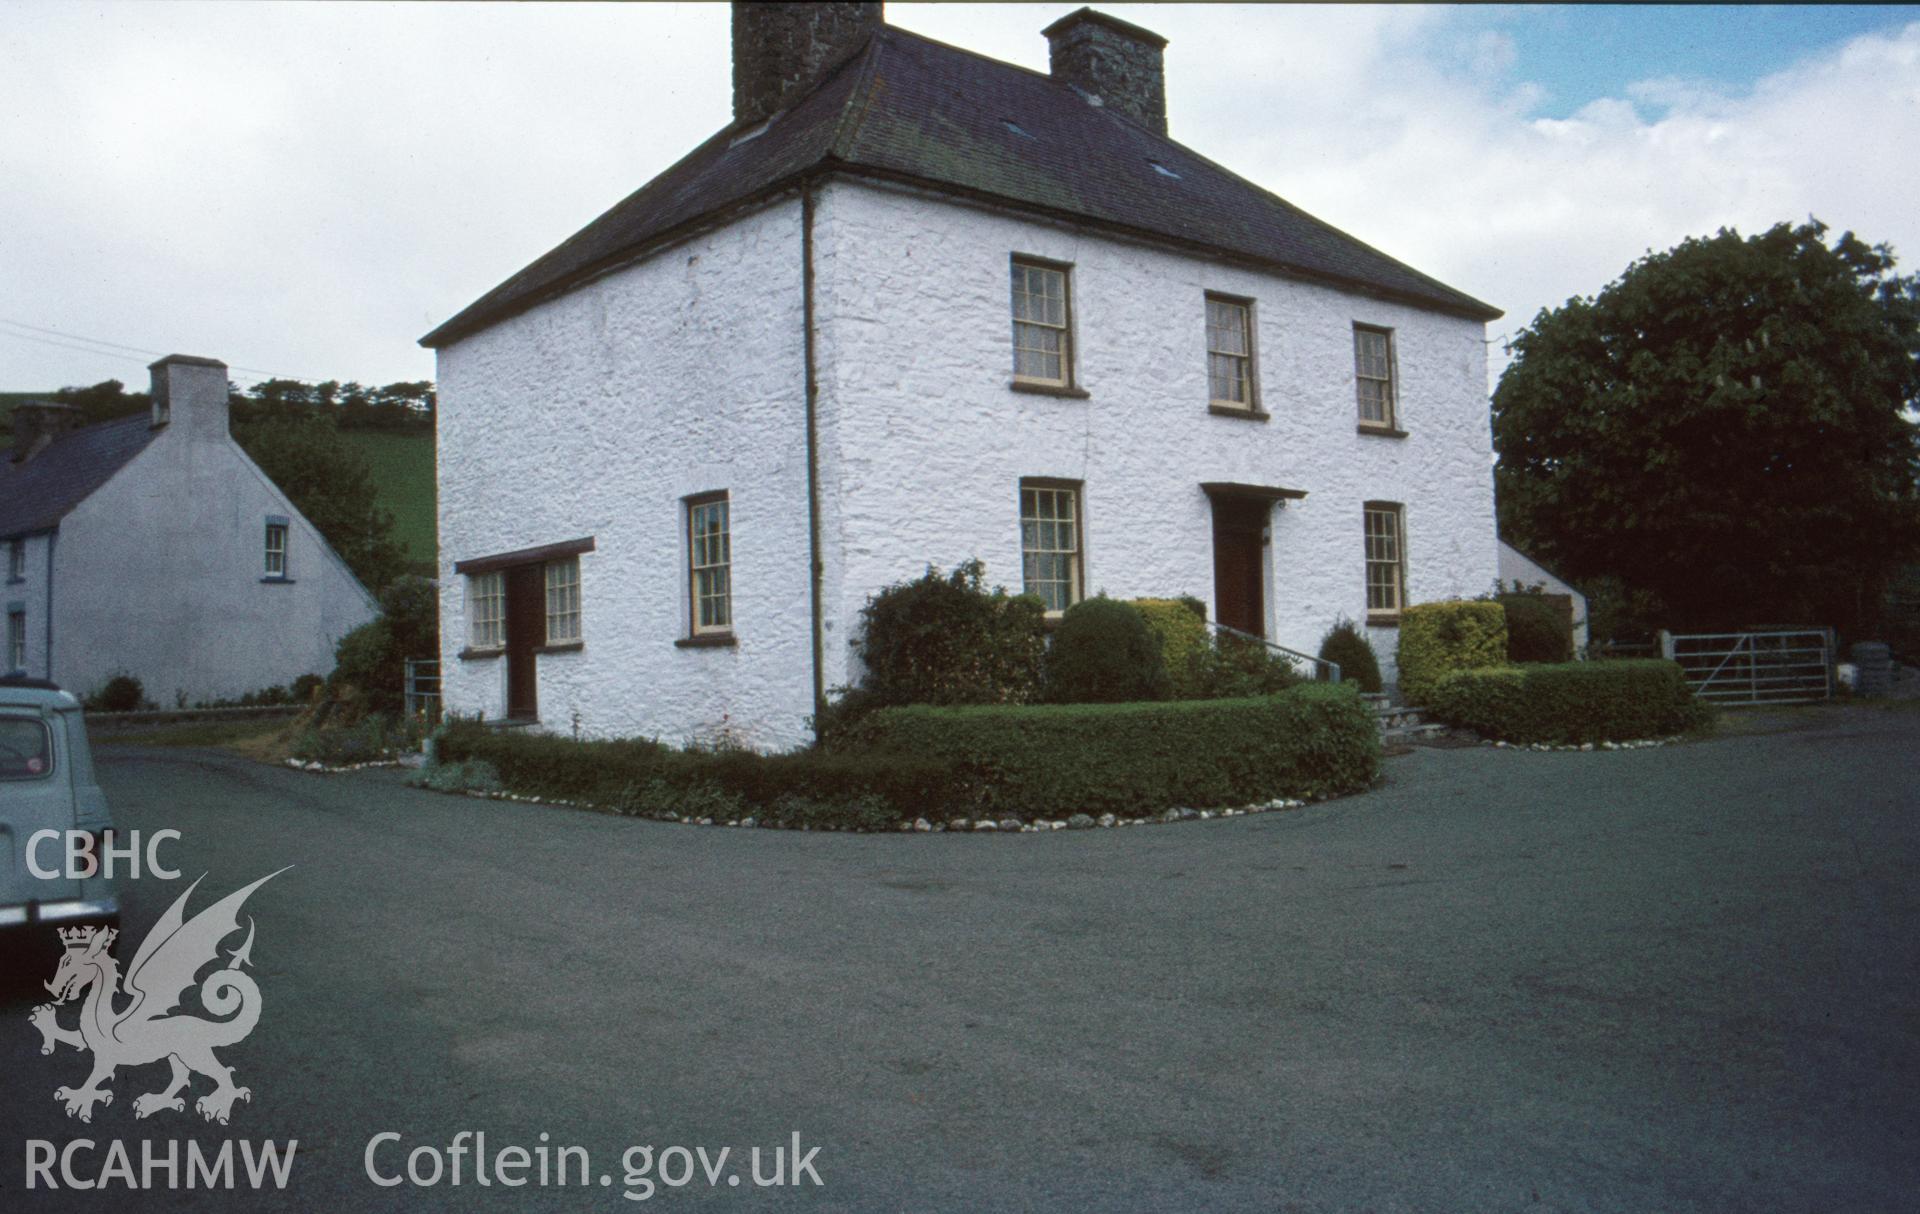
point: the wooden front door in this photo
(1239, 596)
(526, 632)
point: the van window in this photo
(26, 749)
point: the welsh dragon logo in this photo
(152, 1025)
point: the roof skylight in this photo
(1163, 170)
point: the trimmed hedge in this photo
(1539, 627)
(648, 779)
(1569, 701)
(1181, 632)
(1053, 760)
(1436, 638)
(944, 639)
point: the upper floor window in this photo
(1050, 562)
(1230, 379)
(563, 601)
(17, 561)
(709, 564)
(276, 561)
(1373, 376)
(1386, 558)
(1042, 337)
(487, 610)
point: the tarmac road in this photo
(1677, 979)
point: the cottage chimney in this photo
(1119, 63)
(780, 49)
(191, 394)
(37, 423)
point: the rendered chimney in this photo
(190, 393)
(37, 423)
(1120, 63)
(779, 49)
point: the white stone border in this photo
(1005, 826)
(1634, 744)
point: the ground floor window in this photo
(710, 563)
(17, 640)
(1386, 558)
(1050, 563)
(487, 610)
(563, 601)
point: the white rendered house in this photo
(915, 306)
(153, 546)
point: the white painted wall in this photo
(158, 573)
(924, 444)
(593, 415)
(1517, 566)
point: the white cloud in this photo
(308, 188)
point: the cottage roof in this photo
(39, 492)
(911, 109)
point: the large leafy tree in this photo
(1726, 427)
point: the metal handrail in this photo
(1332, 668)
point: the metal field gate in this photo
(1784, 667)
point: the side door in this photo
(526, 633)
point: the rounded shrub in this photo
(1104, 653)
(1179, 627)
(1347, 645)
(1436, 638)
(943, 639)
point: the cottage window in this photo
(487, 610)
(1050, 542)
(17, 561)
(276, 549)
(17, 641)
(1230, 380)
(1386, 559)
(709, 565)
(1373, 375)
(563, 601)
(1042, 343)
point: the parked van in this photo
(46, 784)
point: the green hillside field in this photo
(402, 466)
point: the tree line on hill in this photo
(293, 431)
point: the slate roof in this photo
(37, 494)
(908, 108)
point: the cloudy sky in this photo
(305, 189)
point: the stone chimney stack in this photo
(191, 394)
(1117, 62)
(37, 423)
(779, 49)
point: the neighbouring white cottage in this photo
(152, 546)
(914, 306)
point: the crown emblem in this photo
(77, 937)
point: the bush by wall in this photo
(1539, 626)
(1103, 653)
(1436, 638)
(121, 693)
(1347, 645)
(943, 639)
(1233, 668)
(1569, 701)
(1179, 628)
(1054, 760)
(648, 779)
(372, 659)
